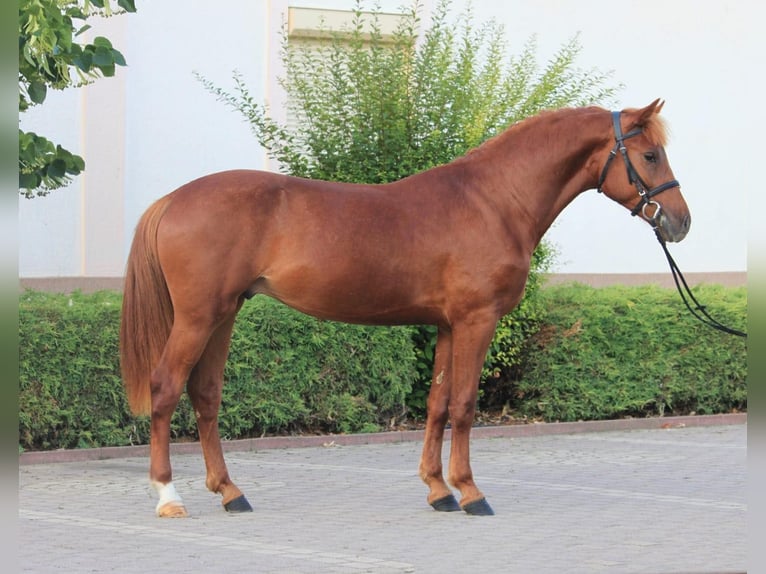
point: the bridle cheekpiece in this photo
(644, 192)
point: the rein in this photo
(698, 310)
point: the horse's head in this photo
(648, 189)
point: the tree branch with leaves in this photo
(51, 58)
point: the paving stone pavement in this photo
(648, 501)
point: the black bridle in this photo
(646, 194)
(646, 198)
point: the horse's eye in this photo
(651, 157)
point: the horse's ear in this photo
(641, 117)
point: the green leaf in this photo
(57, 169)
(108, 71)
(83, 29)
(77, 164)
(29, 180)
(100, 41)
(127, 5)
(118, 58)
(42, 146)
(84, 60)
(37, 92)
(103, 57)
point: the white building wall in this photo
(177, 131)
(145, 131)
(49, 238)
(154, 127)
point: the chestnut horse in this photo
(449, 247)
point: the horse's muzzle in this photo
(673, 229)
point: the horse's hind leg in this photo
(204, 388)
(183, 349)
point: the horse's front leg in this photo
(439, 495)
(205, 387)
(470, 342)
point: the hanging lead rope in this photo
(698, 310)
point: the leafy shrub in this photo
(70, 392)
(633, 351)
(595, 354)
(373, 109)
(286, 372)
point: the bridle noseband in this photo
(644, 192)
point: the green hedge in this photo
(633, 351)
(70, 392)
(286, 373)
(594, 354)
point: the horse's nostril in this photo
(686, 222)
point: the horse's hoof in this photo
(172, 509)
(446, 504)
(479, 508)
(239, 504)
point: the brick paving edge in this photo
(501, 431)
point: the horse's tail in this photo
(147, 311)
